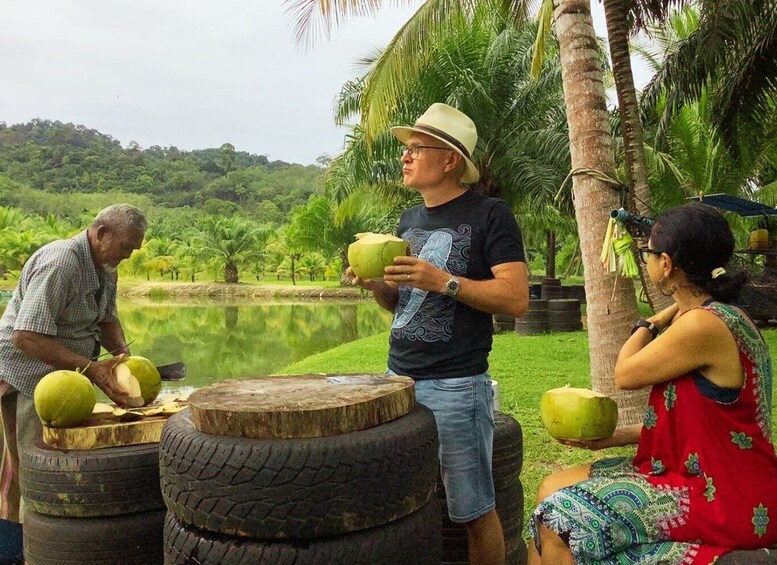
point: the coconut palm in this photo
(312, 264)
(160, 255)
(731, 52)
(230, 242)
(611, 303)
(691, 156)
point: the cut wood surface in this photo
(105, 430)
(112, 429)
(300, 406)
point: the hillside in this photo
(43, 158)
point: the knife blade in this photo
(173, 371)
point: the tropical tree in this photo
(230, 242)
(611, 308)
(731, 53)
(691, 155)
(312, 264)
(160, 255)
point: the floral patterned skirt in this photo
(617, 517)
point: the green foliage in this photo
(80, 169)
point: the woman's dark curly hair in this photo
(699, 240)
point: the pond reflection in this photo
(227, 340)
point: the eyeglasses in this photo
(645, 251)
(414, 150)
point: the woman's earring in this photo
(661, 288)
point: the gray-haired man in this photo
(62, 311)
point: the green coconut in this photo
(371, 253)
(578, 413)
(64, 399)
(140, 378)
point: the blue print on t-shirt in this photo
(429, 316)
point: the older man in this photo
(467, 263)
(62, 311)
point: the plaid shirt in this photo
(57, 296)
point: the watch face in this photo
(452, 286)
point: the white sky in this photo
(194, 73)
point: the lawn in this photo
(525, 367)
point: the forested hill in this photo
(65, 158)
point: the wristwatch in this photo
(643, 323)
(453, 286)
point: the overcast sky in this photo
(193, 74)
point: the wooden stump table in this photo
(300, 406)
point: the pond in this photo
(220, 340)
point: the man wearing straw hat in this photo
(467, 263)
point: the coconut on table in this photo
(72, 419)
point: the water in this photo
(220, 340)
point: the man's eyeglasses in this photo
(645, 251)
(414, 150)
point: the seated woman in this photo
(704, 479)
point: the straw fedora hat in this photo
(453, 128)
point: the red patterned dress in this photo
(703, 482)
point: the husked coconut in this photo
(578, 413)
(129, 385)
(371, 253)
(147, 375)
(64, 399)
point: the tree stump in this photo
(300, 406)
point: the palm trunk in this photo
(611, 302)
(230, 272)
(550, 255)
(631, 127)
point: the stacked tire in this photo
(507, 461)
(90, 507)
(503, 323)
(564, 315)
(551, 288)
(359, 497)
(535, 320)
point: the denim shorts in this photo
(463, 408)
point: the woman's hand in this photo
(628, 435)
(665, 317)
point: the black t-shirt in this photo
(433, 335)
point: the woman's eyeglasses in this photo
(645, 251)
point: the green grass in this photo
(525, 367)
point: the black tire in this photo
(506, 463)
(132, 539)
(507, 457)
(298, 488)
(414, 539)
(91, 483)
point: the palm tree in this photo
(731, 52)
(229, 241)
(312, 264)
(160, 255)
(611, 305)
(611, 302)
